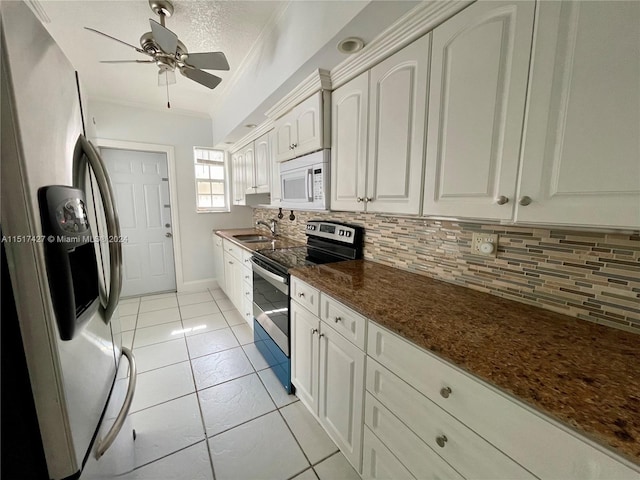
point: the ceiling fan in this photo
(169, 53)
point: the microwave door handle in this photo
(310, 184)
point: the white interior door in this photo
(141, 186)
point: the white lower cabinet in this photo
(238, 277)
(421, 417)
(328, 373)
(378, 462)
(488, 434)
(218, 261)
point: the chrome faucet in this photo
(271, 226)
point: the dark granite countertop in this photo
(580, 373)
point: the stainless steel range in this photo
(326, 242)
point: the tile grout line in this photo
(195, 386)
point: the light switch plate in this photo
(485, 244)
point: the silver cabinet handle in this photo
(359, 199)
(524, 201)
(314, 331)
(247, 277)
(445, 392)
(168, 235)
(85, 148)
(230, 262)
(295, 145)
(321, 335)
(501, 200)
(167, 225)
(368, 199)
(104, 443)
(441, 440)
(301, 294)
(338, 319)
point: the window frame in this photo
(225, 182)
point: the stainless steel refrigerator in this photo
(61, 268)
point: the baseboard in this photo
(198, 285)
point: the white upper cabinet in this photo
(238, 178)
(479, 68)
(397, 103)
(378, 122)
(262, 164)
(248, 156)
(581, 153)
(303, 129)
(349, 123)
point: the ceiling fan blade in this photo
(127, 61)
(203, 78)
(139, 50)
(165, 38)
(208, 61)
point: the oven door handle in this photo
(267, 274)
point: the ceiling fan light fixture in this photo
(351, 45)
(166, 77)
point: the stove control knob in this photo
(341, 233)
(347, 233)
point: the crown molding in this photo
(318, 80)
(414, 24)
(38, 9)
(255, 133)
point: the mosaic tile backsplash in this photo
(589, 275)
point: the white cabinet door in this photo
(479, 68)
(309, 127)
(237, 175)
(341, 393)
(262, 164)
(349, 123)
(285, 136)
(276, 191)
(248, 155)
(218, 261)
(581, 155)
(397, 104)
(304, 355)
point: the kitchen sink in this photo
(253, 238)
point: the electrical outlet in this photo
(485, 244)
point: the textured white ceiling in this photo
(229, 26)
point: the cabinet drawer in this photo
(348, 323)
(305, 295)
(379, 463)
(467, 452)
(419, 459)
(246, 257)
(233, 249)
(548, 449)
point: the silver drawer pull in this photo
(441, 441)
(321, 335)
(314, 331)
(445, 392)
(300, 295)
(338, 319)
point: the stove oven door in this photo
(271, 320)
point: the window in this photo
(211, 180)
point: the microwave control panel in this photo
(318, 185)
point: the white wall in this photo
(302, 30)
(183, 132)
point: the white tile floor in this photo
(207, 405)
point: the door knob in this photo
(168, 235)
(524, 201)
(501, 200)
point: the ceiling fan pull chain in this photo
(166, 76)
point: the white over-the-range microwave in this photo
(304, 181)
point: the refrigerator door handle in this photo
(104, 443)
(86, 149)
